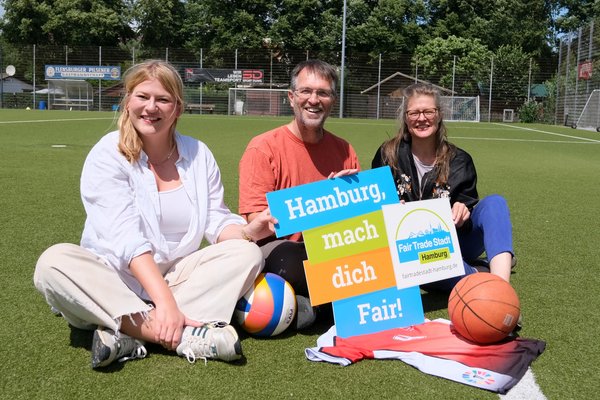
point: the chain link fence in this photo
(372, 84)
(578, 74)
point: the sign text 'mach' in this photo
(319, 203)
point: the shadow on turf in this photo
(432, 301)
(83, 339)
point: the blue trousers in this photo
(491, 233)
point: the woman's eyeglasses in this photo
(414, 115)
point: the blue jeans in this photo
(491, 233)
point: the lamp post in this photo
(343, 62)
(1, 81)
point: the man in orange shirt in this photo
(297, 153)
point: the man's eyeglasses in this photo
(414, 115)
(305, 93)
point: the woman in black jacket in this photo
(426, 166)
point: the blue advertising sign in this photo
(331, 200)
(110, 73)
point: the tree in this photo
(66, 22)
(524, 23)
(227, 25)
(159, 23)
(307, 25)
(511, 73)
(575, 13)
(453, 62)
(391, 26)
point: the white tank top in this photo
(422, 168)
(175, 214)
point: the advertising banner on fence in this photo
(585, 69)
(201, 75)
(110, 73)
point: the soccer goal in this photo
(455, 108)
(590, 116)
(460, 108)
(252, 101)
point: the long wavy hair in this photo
(130, 143)
(444, 150)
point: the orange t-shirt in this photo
(277, 160)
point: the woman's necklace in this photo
(157, 164)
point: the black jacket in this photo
(461, 185)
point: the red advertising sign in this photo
(584, 70)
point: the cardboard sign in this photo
(423, 242)
(349, 259)
(323, 202)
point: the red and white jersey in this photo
(434, 348)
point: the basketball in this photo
(268, 308)
(483, 308)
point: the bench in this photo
(200, 107)
(67, 103)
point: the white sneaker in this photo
(107, 348)
(216, 340)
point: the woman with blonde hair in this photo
(151, 195)
(425, 165)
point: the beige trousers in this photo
(88, 292)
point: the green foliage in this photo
(217, 25)
(391, 26)
(549, 102)
(575, 13)
(307, 24)
(159, 22)
(462, 61)
(525, 24)
(382, 26)
(66, 22)
(530, 111)
(511, 73)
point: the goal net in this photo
(590, 116)
(274, 102)
(251, 101)
(459, 108)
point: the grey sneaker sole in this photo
(100, 351)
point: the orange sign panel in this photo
(349, 276)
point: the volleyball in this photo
(483, 308)
(268, 308)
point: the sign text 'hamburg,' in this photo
(307, 206)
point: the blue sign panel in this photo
(331, 200)
(378, 311)
(111, 73)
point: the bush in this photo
(531, 111)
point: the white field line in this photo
(54, 120)
(522, 140)
(526, 389)
(548, 133)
